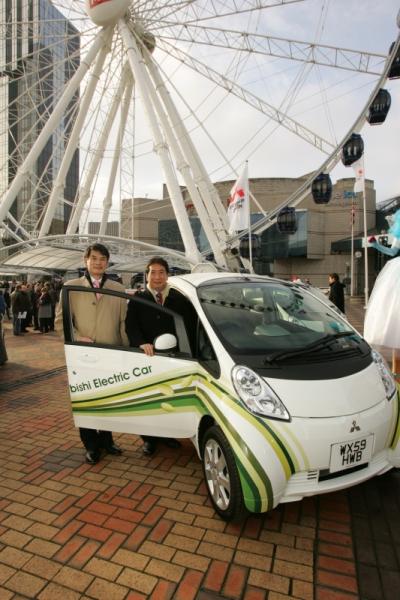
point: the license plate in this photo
(351, 453)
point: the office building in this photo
(39, 53)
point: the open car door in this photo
(121, 389)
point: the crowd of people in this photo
(30, 305)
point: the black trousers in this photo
(94, 440)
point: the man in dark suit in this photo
(143, 324)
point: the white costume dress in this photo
(382, 319)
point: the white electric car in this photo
(281, 397)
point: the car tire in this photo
(221, 475)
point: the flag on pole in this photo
(359, 173)
(238, 204)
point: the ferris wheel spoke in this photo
(251, 99)
(84, 192)
(152, 12)
(218, 9)
(107, 201)
(73, 141)
(320, 54)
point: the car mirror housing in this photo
(165, 342)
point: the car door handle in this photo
(167, 407)
(88, 358)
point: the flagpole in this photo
(352, 250)
(249, 216)
(365, 241)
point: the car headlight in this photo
(257, 395)
(385, 373)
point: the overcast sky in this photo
(325, 100)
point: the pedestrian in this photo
(27, 310)
(44, 310)
(143, 325)
(19, 306)
(7, 299)
(382, 323)
(97, 318)
(37, 292)
(336, 291)
(3, 306)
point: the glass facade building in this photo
(39, 53)
(272, 243)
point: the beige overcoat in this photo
(101, 320)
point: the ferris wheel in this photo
(108, 100)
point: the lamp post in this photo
(366, 290)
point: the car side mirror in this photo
(165, 342)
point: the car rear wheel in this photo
(221, 475)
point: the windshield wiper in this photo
(322, 342)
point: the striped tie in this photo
(96, 284)
(159, 298)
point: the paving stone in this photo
(14, 557)
(73, 578)
(105, 590)
(137, 580)
(5, 573)
(165, 570)
(189, 585)
(52, 591)
(269, 581)
(15, 538)
(26, 584)
(42, 567)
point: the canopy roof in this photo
(63, 253)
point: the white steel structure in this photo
(151, 80)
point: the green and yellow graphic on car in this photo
(196, 393)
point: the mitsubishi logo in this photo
(354, 427)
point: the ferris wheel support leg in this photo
(98, 154)
(183, 165)
(51, 124)
(177, 202)
(107, 203)
(202, 179)
(59, 183)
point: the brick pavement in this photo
(133, 527)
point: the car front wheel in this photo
(221, 475)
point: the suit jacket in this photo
(101, 320)
(336, 294)
(144, 324)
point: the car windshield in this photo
(269, 317)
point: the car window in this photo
(267, 316)
(205, 352)
(81, 320)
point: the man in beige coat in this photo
(97, 318)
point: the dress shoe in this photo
(172, 443)
(114, 449)
(92, 457)
(149, 448)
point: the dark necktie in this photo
(159, 298)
